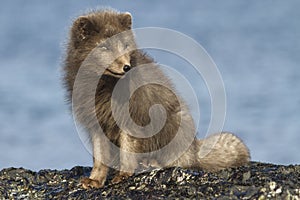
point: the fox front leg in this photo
(99, 172)
(128, 164)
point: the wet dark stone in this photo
(255, 181)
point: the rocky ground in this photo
(256, 181)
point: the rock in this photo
(255, 181)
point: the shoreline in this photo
(254, 181)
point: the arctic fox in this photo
(92, 31)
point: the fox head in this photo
(95, 30)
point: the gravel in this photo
(255, 181)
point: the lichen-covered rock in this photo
(255, 181)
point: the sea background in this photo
(255, 44)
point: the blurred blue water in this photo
(255, 45)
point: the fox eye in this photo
(126, 46)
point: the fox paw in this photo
(88, 183)
(120, 177)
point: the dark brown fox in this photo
(115, 59)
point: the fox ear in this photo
(126, 20)
(82, 29)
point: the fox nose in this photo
(126, 68)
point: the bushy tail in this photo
(215, 152)
(221, 151)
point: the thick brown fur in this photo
(86, 34)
